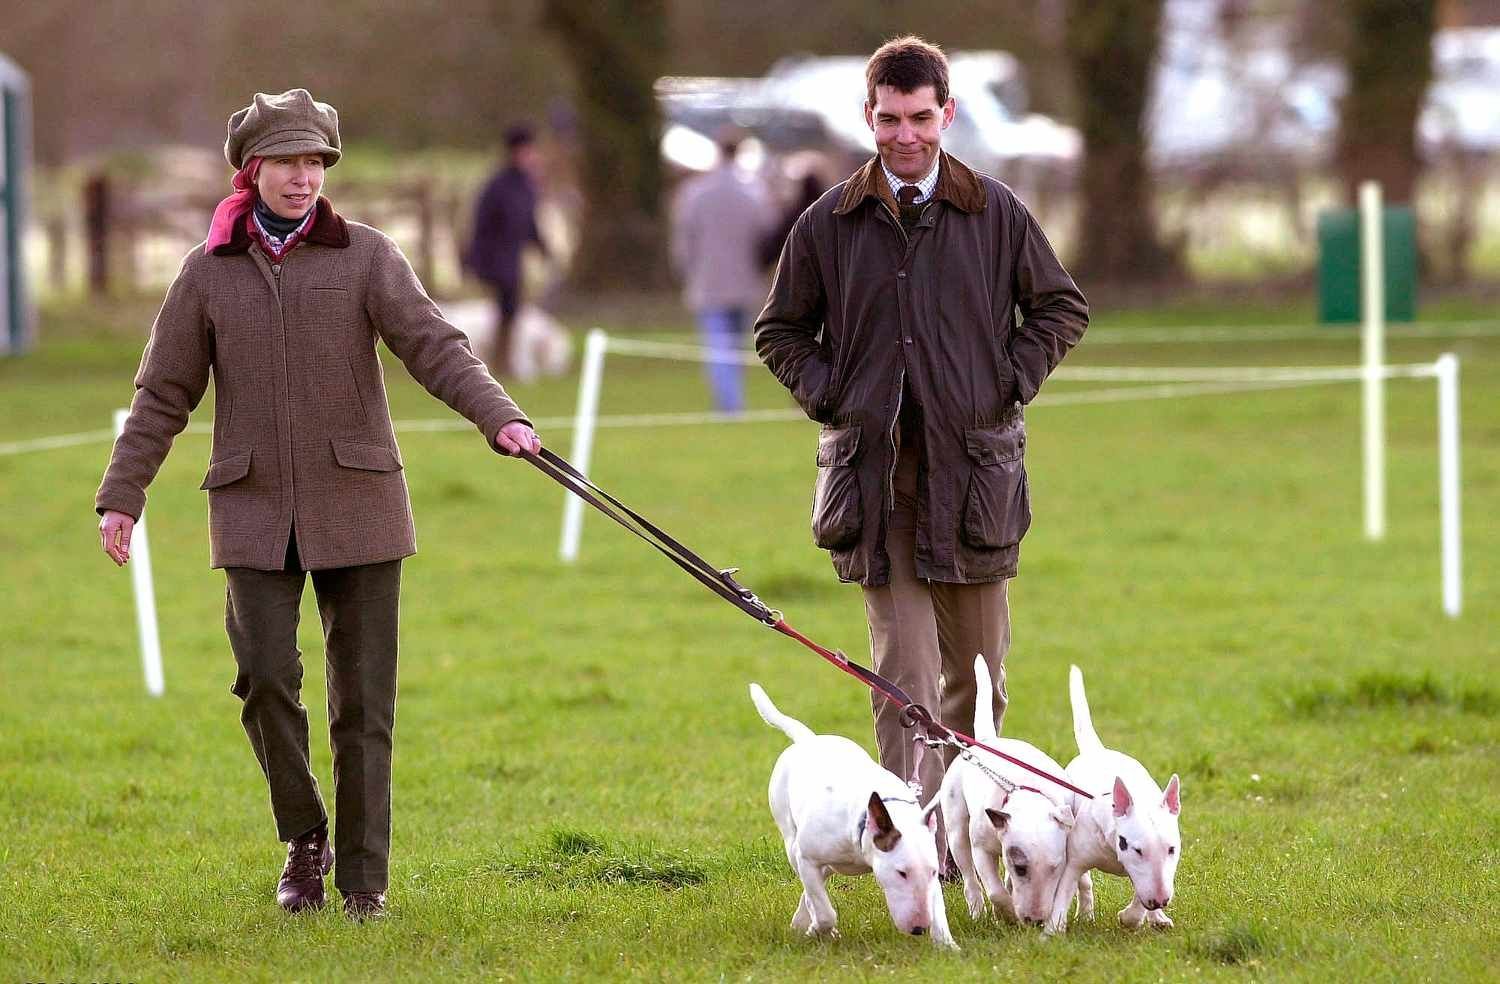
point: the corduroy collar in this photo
(956, 183)
(328, 229)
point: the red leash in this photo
(723, 584)
(919, 717)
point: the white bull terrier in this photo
(1024, 830)
(841, 813)
(1130, 830)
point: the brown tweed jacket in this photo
(302, 432)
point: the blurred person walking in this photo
(504, 223)
(282, 306)
(916, 308)
(717, 225)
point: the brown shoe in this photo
(360, 906)
(308, 859)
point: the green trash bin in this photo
(1339, 292)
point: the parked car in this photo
(988, 132)
(1250, 108)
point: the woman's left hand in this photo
(517, 437)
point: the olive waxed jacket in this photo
(967, 315)
(302, 430)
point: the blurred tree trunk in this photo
(1389, 59)
(618, 49)
(1111, 45)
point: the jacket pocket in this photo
(837, 513)
(815, 391)
(232, 467)
(367, 457)
(997, 511)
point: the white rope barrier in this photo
(1331, 374)
(53, 443)
(1234, 380)
(1169, 383)
(679, 351)
(1174, 383)
(1253, 334)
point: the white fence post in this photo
(587, 412)
(1448, 492)
(1372, 277)
(145, 596)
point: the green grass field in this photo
(580, 775)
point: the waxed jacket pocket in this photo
(837, 512)
(225, 470)
(997, 510)
(367, 457)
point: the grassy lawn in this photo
(580, 775)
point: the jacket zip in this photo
(890, 477)
(291, 471)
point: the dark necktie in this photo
(906, 198)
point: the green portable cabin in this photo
(16, 320)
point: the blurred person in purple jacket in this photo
(718, 223)
(504, 222)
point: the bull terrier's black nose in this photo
(919, 931)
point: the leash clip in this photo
(917, 717)
(728, 576)
(766, 614)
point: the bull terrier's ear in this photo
(997, 817)
(884, 830)
(1172, 798)
(1123, 802)
(929, 817)
(1064, 817)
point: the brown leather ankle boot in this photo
(360, 906)
(308, 859)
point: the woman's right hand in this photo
(114, 535)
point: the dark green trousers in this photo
(359, 609)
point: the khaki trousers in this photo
(924, 636)
(359, 610)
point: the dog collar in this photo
(864, 815)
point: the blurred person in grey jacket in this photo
(717, 227)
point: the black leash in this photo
(723, 584)
(720, 582)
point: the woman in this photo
(282, 306)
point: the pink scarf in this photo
(235, 207)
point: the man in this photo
(717, 225)
(504, 222)
(893, 322)
(282, 306)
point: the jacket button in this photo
(908, 341)
(276, 268)
(901, 275)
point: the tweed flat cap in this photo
(274, 126)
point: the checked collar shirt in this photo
(924, 186)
